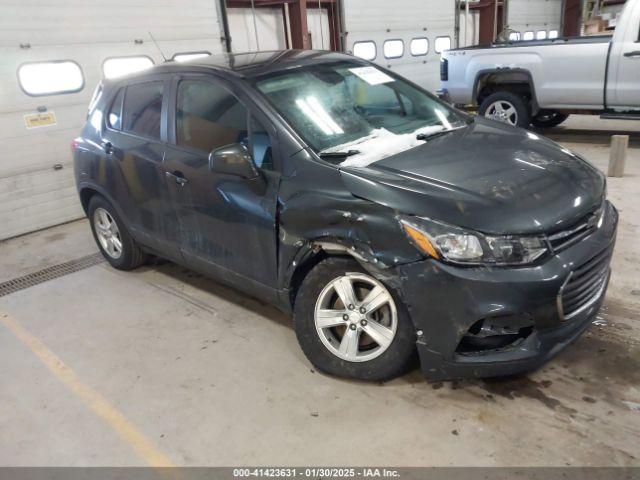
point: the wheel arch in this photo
(515, 80)
(88, 190)
(315, 252)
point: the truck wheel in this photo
(114, 241)
(506, 107)
(548, 118)
(350, 324)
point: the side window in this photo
(260, 142)
(514, 36)
(114, 118)
(142, 109)
(528, 36)
(553, 33)
(541, 34)
(208, 116)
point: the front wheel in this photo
(350, 324)
(506, 107)
(548, 118)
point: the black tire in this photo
(548, 119)
(399, 356)
(521, 106)
(131, 256)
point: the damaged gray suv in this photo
(391, 225)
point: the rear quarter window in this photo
(114, 117)
(142, 109)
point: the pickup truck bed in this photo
(527, 79)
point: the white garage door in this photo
(36, 172)
(269, 26)
(405, 35)
(535, 18)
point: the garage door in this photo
(406, 37)
(42, 113)
(533, 19)
(269, 26)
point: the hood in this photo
(488, 177)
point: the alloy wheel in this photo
(107, 232)
(356, 317)
(502, 111)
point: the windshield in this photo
(347, 107)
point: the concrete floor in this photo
(162, 366)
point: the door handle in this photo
(635, 53)
(108, 147)
(178, 177)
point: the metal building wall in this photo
(36, 176)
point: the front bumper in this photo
(448, 303)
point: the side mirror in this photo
(233, 159)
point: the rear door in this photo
(227, 223)
(133, 146)
(623, 86)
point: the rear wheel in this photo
(114, 241)
(350, 324)
(548, 118)
(506, 107)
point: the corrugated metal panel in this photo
(534, 15)
(381, 20)
(269, 24)
(33, 194)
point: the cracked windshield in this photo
(354, 115)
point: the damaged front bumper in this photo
(485, 322)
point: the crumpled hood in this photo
(488, 177)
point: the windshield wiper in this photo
(338, 155)
(429, 136)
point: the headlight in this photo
(442, 241)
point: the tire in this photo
(372, 361)
(548, 119)
(129, 255)
(514, 109)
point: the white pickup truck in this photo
(542, 82)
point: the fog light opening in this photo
(491, 334)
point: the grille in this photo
(584, 286)
(561, 240)
(50, 273)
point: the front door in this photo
(228, 223)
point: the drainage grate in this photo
(50, 273)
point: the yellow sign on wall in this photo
(35, 120)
